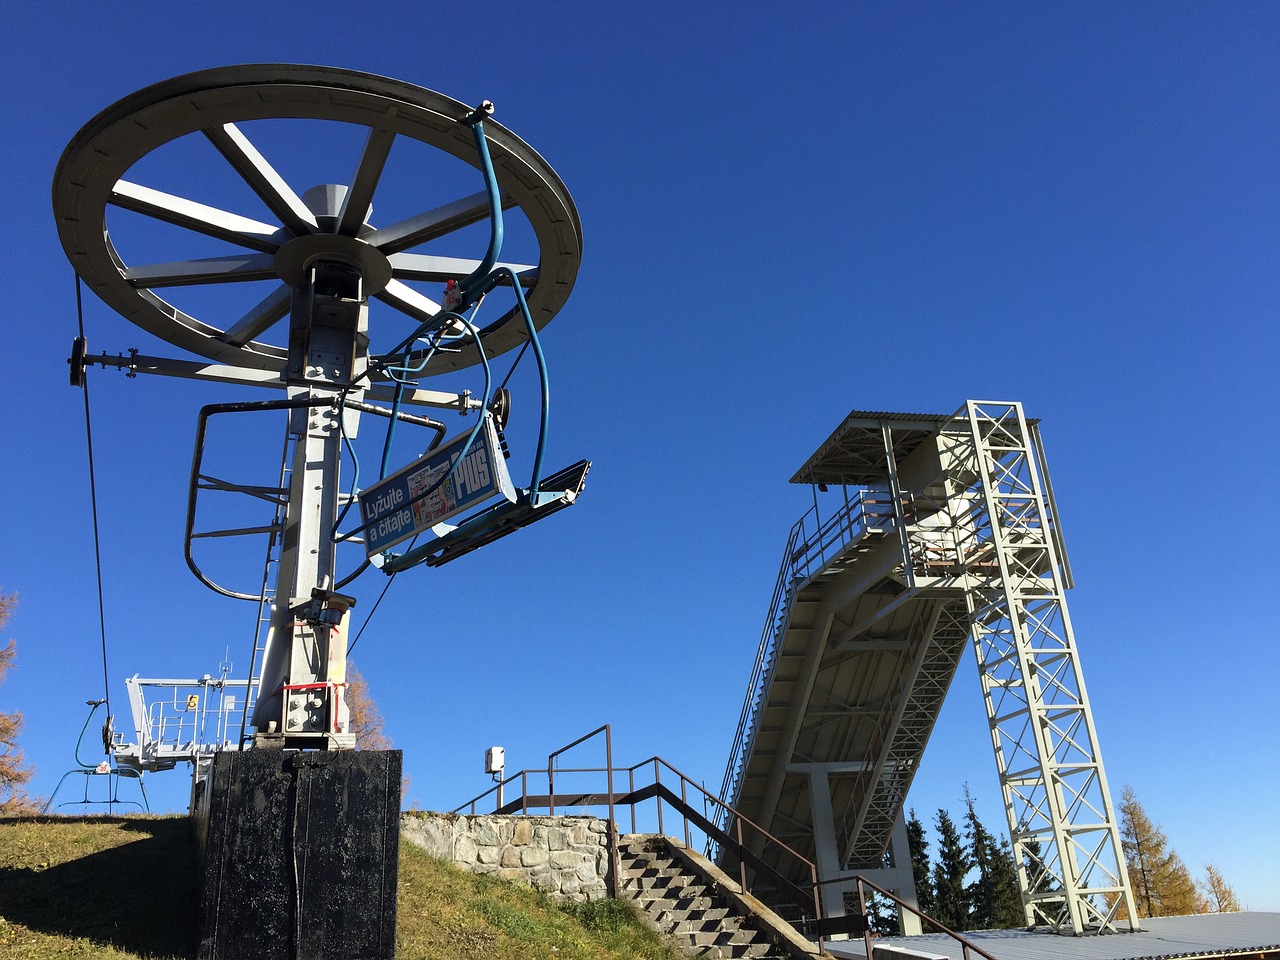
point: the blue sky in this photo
(789, 212)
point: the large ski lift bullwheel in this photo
(92, 176)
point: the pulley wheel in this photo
(94, 175)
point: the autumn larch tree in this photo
(1162, 885)
(1217, 895)
(366, 718)
(14, 773)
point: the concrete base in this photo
(299, 854)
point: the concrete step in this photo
(728, 937)
(700, 908)
(699, 920)
(687, 907)
(693, 896)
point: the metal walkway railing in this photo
(811, 546)
(679, 794)
(738, 843)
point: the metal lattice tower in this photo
(1064, 828)
(945, 534)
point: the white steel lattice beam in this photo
(1064, 828)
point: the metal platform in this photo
(927, 532)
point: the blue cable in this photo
(474, 288)
(483, 271)
(466, 447)
(391, 428)
(543, 378)
(395, 373)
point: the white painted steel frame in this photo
(1052, 780)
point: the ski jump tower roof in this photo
(928, 532)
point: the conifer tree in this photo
(920, 862)
(1162, 885)
(1010, 912)
(994, 897)
(14, 773)
(950, 895)
(1040, 879)
(882, 913)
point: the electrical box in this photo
(495, 760)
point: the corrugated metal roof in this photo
(1162, 938)
(888, 415)
(854, 453)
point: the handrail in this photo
(966, 945)
(805, 555)
(734, 834)
(725, 826)
(608, 759)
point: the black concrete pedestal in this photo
(299, 855)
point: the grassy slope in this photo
(124, 887)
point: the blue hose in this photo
(481, 273)
(476, 285)
(391, 428)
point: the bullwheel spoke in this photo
(433, 224)
(409, 301)
(262, 178)
(419, 266)
(267, 312)
(364, 181)
(236, 269)
(210, 221)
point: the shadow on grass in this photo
(138, 897)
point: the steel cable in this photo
(93, 502)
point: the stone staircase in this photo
(688, 899)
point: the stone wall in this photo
(566, 857)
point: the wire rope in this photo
(93, 502)
(514, 363)
(372, 610)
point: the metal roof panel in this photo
(1162, 938)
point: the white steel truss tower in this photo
(1065, 836)
(937, 530)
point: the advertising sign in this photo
(413, 500)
